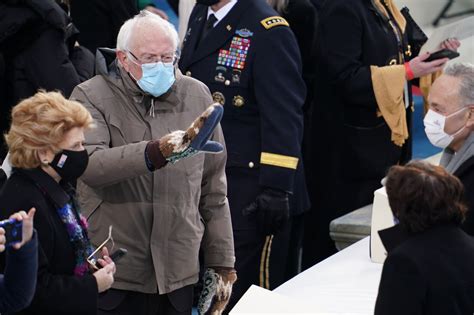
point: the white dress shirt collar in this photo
(222, 12)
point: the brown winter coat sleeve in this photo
(108, 165)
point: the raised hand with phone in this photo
(17, 230)
(428, 63)
(18, 281)
(443, 53)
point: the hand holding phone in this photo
(443, 53)
(93, 259)
(12, 232)
(116, 256)
(24, 226)
(421, 66)
(105, 277)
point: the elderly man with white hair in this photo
(449, 124)
(162, 213)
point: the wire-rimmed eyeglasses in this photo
(168, 59)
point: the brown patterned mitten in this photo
(181, 144)
(216, 291)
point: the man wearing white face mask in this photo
(161, 213)
(449, 124)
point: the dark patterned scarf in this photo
(76, 226)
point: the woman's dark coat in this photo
(58, 290)
(429, 274)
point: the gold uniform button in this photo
(238, 101)
(408, 51)
(251, 165)
(188, 73)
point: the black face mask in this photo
(70, 165)
(207, 2)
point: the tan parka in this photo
(160, 217)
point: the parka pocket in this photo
(122, 132)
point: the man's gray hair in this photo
(465, 72)
(144, 17)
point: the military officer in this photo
(248, 57)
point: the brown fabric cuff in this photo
(223, 269)
(154, 154)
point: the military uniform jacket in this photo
(251, 63)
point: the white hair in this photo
(145, 18)
(465, 73)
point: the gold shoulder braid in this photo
(273, 21)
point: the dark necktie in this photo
(208, 26)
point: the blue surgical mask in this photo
(157, 78)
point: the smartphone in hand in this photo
(119, 253)
(13, 231)
(116, 256)
(443, 53)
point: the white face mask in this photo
(434, 128)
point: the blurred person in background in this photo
(449, 124)
(361, 119)
(150, 5)
(185, 7)
(99, 21)
(38, 49)
(428, 269)
(17, 284)
(45, 143)
(318, 4)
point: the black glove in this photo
(272, 210)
